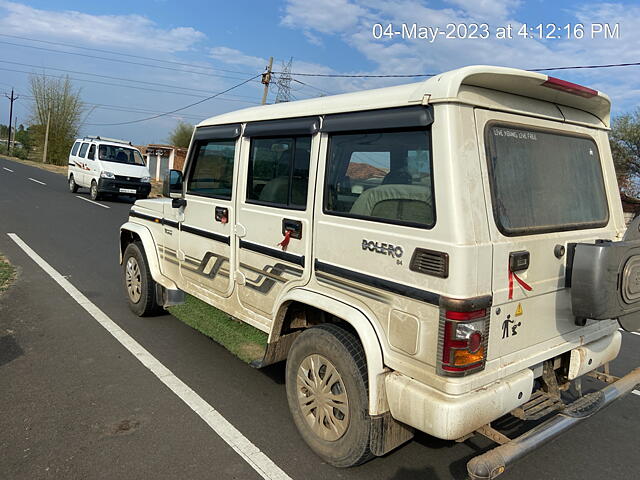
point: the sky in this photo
(136, 59)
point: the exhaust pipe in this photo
(493, 463)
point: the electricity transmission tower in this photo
(283, 82)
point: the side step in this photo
(540, 405)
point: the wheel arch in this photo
(362, 327)
(131, 232)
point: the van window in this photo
(543, 181)
(384, 176)
(83, 150)
(279, 171)
(117, 154)
(212, 172)
(74, 149)
(92, 152)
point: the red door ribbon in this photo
(285, 241)
(521, 282)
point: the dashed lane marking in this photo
(8, 169)
(232, 436)
(91, 201)
(37, 181)
(636, 392)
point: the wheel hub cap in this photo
(133, 280)
(322, 397)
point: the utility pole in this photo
(266, 80)
(46, 138)
(12, 99)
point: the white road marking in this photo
(632, 333)
(37, 181)
(243, 446)
(8, 169)
(636, 392)
(95, 203)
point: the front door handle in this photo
(222, 214)
(294, 227)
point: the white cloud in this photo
(117, 31)
(232, 56)
(487, 9)
(325, 16)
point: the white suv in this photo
(108, 167)
(429, 256)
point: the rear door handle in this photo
(292, 226)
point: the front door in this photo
(204, 251)
(545, 189)
(274, 216)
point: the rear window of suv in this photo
(544, 181)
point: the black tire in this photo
(73, 186)
(146, 304)
(93, 191)
(344, 351)
(141, 197)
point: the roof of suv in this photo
(440, 88)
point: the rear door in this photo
(544, 189)
(275, 210)
(81, 163)
(206, 240)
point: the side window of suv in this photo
(279, 171)
(92, 152)
(212, 172)
(74, 149)
(384, 176)
(83, 150)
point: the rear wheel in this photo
(138, 284)
(327, 391)
(73, 186)
(93, 191)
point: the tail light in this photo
(463, 341)
(573, 88)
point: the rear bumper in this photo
(494, 462)
(453, 416)
(107, 185)
(450, 417)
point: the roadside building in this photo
(162, 158)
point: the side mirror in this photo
(172, 185)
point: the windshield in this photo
(113, 153)
(543, 181)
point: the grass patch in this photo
(244, 341)
(7, 274)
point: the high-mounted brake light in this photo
(463, 341)
(569, 87)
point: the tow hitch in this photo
(493, 463)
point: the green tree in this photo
(57, 98)
(181, 135)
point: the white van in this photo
(107, 166)
(430, 256)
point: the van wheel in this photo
(140, 287)
(327, 391)
(93, 192)
(73, 186)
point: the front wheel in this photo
(140, 287)
(93, 191)
(327, 391)
(73, 186)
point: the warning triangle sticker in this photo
(519, 310)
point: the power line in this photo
(84, 55)
(146, 89)
(181, 108)
(311, 86)
(414, 75)
(193, 65)
(179, 87)
(123, 108)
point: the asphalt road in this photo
(74, 403)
